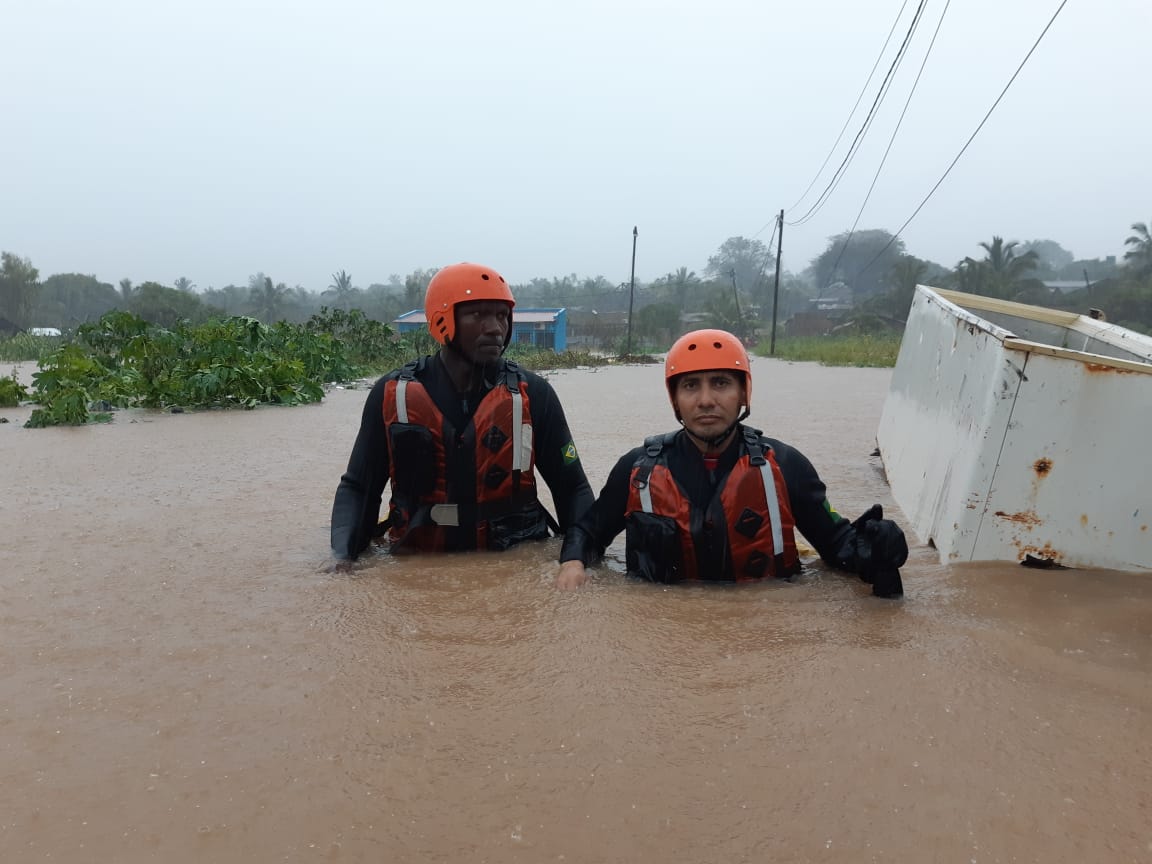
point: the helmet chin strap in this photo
(714, 440)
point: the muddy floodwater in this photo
(182, 680)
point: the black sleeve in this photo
(829, 533)
(356, 509)
(598, 527)
(556, 456)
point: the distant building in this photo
(822, 316)
(829, 304)
(540, 328)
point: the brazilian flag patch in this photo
(568, 451)
(832, 510)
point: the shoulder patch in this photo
(568, 451)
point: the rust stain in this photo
(1143, 527)
(1099, 368)
(1042, 466)
(1027, 518)
(1084, 519)
(1044, 553)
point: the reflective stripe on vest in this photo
(770, 498)
(499, 437)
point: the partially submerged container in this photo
(1020, 433)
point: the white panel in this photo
(1073, 481)
(999, 451)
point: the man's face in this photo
(709, 402)
(481, 328)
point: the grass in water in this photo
(540, 359)
(837, 350)
(24, 346)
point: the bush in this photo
(124, 361)
(368, 345)
(12, 392)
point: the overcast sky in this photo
(153, 139)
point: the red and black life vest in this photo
(424, 513)
(751, 507)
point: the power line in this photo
(851, 113)
(760, 275)
(972, 137)
(855, 146)
(891, 140)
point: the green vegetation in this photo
(263, 342)
(122, 360)
(24, 346)
(367, 346)
(865, 350)
(539, 359)
(12, 392)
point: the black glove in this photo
(881, 551)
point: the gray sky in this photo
(153, 139)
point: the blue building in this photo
(540, 328)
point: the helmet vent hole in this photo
(692, 347)
(484, 276)
(716, 345)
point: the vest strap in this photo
(753, 443)
(407, 373)
(653, 447)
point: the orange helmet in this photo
(702, 350)
(461, 283)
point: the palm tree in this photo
(725, 314)
(969, 276)
(126, 289)
(680, 286)
(1002, 269)
(184, 284)
(341, 288)
(268, 300)
(1140, 255)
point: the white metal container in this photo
(1012, 432)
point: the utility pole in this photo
(776, 290)
(631, 291)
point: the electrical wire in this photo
(858, 140)
(971, 138)
(851, 113)
(891, 140)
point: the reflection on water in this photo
(184, 681)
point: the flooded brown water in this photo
(182, 680)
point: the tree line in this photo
(869, 272)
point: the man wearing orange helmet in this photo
(459, 435)
(717, 500)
